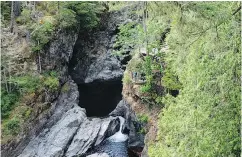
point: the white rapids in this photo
(119, 136)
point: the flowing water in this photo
(114, 146)
(119, 136)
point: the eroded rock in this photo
(53, 141)
(91, 133)
(93, 57)
(106, 67)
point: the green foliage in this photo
(146, 88)
(27, 83)
(170, 81)
(148, 75)
(135, 64)
(142, 131)
(126, 78)
(86, 13)
(27, 113)
(204, 53)
(41, 35)
(143, 118)
(12, 126)
(52, 83)
(147, 66)
(25, 17)
(159, 99)
(128, 36)
(51, 73)
(58, 15)
(66, 19)
(8, 101)
(65, 88)
(51, 80)
(5, 11)
(117, 5)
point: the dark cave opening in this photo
(100, 98)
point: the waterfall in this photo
(119, 136)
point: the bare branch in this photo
(237, 10)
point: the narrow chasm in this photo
(100, 98)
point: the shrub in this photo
(52, 83)
(126, 79)
(65, 88)
(41, 35)
(12, 126)
(66, 19)
(86, 13)
(142, 131)
(8, 101)
(159, 100)
(171, 81)
(5, 11)
(27, 113)
(127, 38)
(143, 118)
(27, 83)
(25, 17)
(145, 88)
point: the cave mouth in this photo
(100, 98)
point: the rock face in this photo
(65, 130)
(92, 132)
(93, 58)
(107, 67)
(58, 53)
(66, 101)
(68, 131)
(53, 141)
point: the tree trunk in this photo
(12, 18)
(9, 72)
(6, 83)
(145, 15)
(39, 62)
(39, 59)
(33, 6)
(17, 8)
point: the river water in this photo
(114, 146)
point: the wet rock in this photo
(132, 126)
(112, 149)
(99, 155)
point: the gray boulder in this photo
(91, 133)
(52, 142)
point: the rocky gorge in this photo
(84, 118)
(120, 79)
